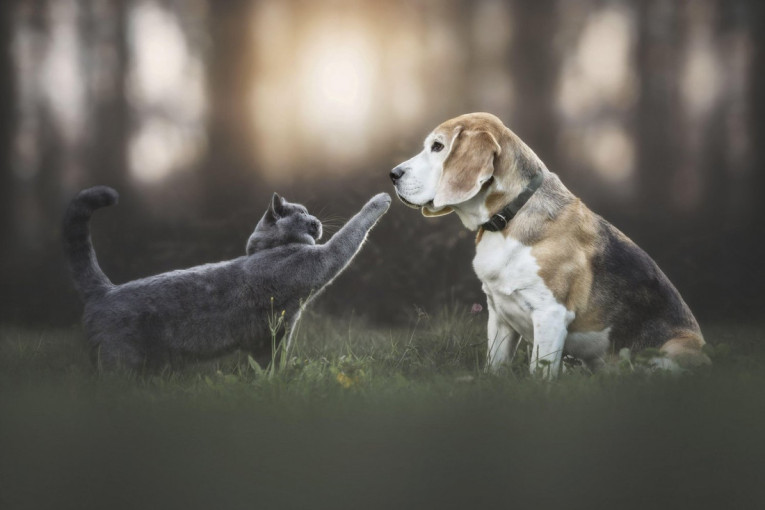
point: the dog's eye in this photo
(437, 146)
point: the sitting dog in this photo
(554, 272)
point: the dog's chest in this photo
(511, 281)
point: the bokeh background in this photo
(197, 110)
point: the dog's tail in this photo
(89, 280)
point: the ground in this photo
(364, 417)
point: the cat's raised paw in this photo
(382, 197)
(381, 201)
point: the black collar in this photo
(500, 220)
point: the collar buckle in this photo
(497, 222)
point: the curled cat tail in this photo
(89, 280)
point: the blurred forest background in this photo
(197, 110)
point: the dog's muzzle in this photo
(395, 175)
(407, 202)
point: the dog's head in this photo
(457, 159)
(458, 164)
(469, 164)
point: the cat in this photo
(214, 309)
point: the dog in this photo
(554, 273)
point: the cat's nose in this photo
(315, 230)
(397, 173)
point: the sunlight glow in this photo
(160, 147)
(166, 87)
(314, 90)
(611, 151)
(51, 87)
(599, 70)
(336, 84)
(598, 85)
(62, 77)
(700, 79)
(405, 62)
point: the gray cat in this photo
(214, 309)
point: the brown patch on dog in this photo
(479, 235)
(482, 147)
(496, 201)
(686, 350)
(587, 321)
(470, 162)
(564, 254)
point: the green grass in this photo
(363, 417)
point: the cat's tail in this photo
(89, 280)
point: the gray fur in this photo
(284, 223)
(209, 310)
(89, 280)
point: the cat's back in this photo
(181, 292)
(279, 257)
(208, 274)
(238, 278)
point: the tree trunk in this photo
(656, 132)
(535, 73)
(7, 123)
(227, 173)
(110, 128)
(757, 115)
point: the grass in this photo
(364, 417)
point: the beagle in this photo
(554, 272)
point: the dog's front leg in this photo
(502, 340)
(550, 330)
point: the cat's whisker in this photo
(332, 219)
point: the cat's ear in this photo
(276, 209)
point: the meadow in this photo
(358, 416)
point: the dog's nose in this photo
(396, 174)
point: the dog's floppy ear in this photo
(469, 164)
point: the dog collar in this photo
(500, 220)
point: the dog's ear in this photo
(470, 163)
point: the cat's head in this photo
(284, 223)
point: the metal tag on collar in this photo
(498, 222)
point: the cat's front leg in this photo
(343, 246)
(353, 233)
(374, 209)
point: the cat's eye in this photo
(436, 147)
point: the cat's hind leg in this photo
(110, 355)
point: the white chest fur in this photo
(514, 289)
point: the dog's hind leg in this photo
(686, 350)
